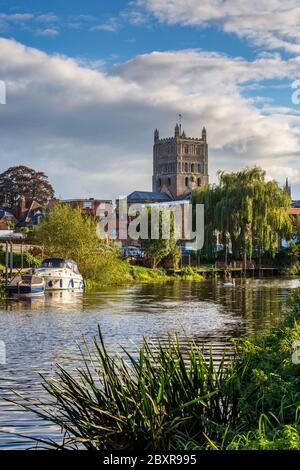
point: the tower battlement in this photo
(180, 163)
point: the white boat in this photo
(26, 286)
(60, 274)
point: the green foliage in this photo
(21, 181)
(250, 209)
(189, 274)
(296, 226)
(162, 249)
(289, 259)
(142, 274)
(154, 401)
(29, 261)
(3, 293)
(67, 233)
(172, 259)
(269, 436)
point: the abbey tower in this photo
(180, 163)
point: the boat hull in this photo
(60, 283)
(26, 290)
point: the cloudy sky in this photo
(88, 81)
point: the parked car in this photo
(133, 252)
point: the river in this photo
(39, 333)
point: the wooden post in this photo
(6, 264)
(22, 257)
(11, 259)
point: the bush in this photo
(142, 274)
(188, 274)
(29, 261)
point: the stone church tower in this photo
(180, 163)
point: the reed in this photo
(163, 399)
(166, 398)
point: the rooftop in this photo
(148, 195)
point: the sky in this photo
(87, 82)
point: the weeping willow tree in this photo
(246, 208)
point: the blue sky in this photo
(88, 81)
(76, 23)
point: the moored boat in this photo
(60, 274)
(26, 285)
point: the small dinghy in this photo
(27, 285)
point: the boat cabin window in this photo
(53, 263)
(60, 264)
(73, 267)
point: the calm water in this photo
(43, 332)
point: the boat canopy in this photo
(59, 263)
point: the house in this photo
(7, 219)
(154, 199)
(28, 214)
(93, 207)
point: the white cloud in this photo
(91, 131)
(111, 25)
(270, 23)
(50, 32)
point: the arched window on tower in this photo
(186, 181)
(186, 149)
(169, 181)
(199, 181)
(186, 167)
(192, 167)
(159, 182)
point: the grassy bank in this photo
(166, 399)
(139, 274)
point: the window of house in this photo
(87, 205)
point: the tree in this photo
(67, 233)
(251, 210)
(288, 259)
(161, 248)
(296, 227)
(21, 181)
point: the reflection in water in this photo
(41, 332)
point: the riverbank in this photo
(142, 275)
(170, 399)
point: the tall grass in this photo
(162, 399)
(169, 398)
